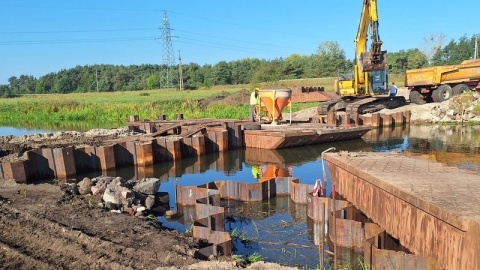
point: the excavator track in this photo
(374, 104)
(327, 106)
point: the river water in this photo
(269, 224)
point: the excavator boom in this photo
(375, 59)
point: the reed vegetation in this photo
(82, 111)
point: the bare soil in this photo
(45, 227)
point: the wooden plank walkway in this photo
(433, 209)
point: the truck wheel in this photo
(417, 98)
(442, 93)
(459, 88)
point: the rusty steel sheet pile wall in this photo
(208, 221)
(373, 119)
(63, 163)
(411, 198)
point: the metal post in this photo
(323, 167)
(334, 228)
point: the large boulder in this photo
(148, 186)
(85, 186)
(116, 196)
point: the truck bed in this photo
(467, 71)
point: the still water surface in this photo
(270, 225)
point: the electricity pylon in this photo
(166, 77)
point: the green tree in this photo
(153, 81)
(268, 72)
(329, 60)
(293, 66)
(222, 73)
(402, 60)
(455, 52)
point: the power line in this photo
(75, 31)
(40, 42)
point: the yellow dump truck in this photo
(439, 83)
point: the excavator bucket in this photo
(373, 61)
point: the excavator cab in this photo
(378, 82)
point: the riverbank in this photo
(47, 227)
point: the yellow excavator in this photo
(366, 90)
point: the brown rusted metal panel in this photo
(299, 192)
(106, 156)
(159, 149)
(331, 118)
(348, 233)
(250, 192)
(386, 119)
(64, 162)
(404, 195)
(407, 116)
(211, 145)
(174, 149)
(86, 159)
(125, 154)
(235, 136)
(222, 140)
(187, 149)
(398, 118)
(355, 119)
(16, 170)
(38, 165)
(48, 154)
(375, 120)
(366, 120)
(309, 97)
(376, 258)
(198, 143)
(144, 154)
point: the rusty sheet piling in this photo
(428, 206)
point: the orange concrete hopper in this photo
(275, 101)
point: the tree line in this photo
(328, 61)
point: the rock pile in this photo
(461, 108)
(135, 197)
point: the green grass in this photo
(84, 111)
(108, 109)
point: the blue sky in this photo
(39, 37)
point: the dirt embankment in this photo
(44, 227)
